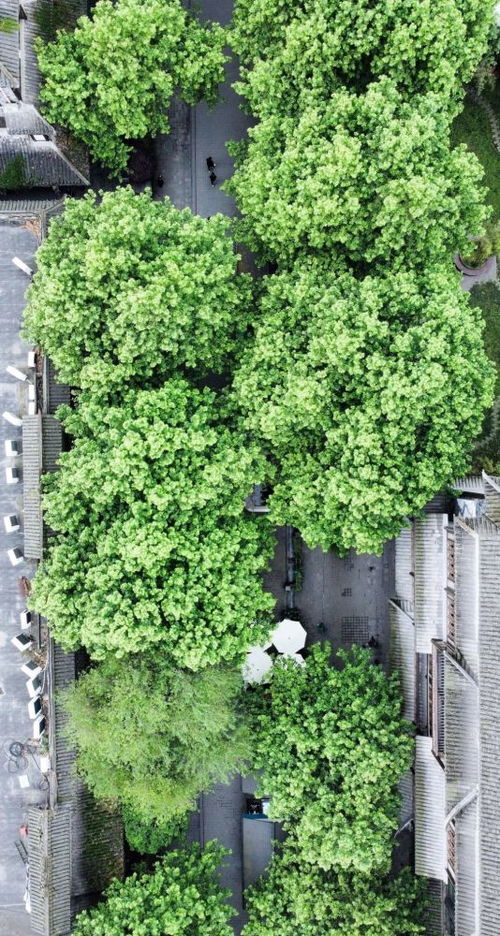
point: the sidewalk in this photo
(200, 132)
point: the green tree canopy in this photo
(332, 745)
(182, 896)
(317, 45)
(297, 899)
(154, 544)
(151, 737)
(152, 836)
(128, 290)
(367, 176)
(367, 393)
(112, 78)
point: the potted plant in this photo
(483, 252)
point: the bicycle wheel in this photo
(15, 764)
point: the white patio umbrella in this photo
(296, 657)
(289, 636)
(256, 666)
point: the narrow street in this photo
(342, 600)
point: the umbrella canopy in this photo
(289, 636)
(256, 666)
(296, 657)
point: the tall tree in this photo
(298, 899)
(151, 737)
(367, 395)
(366, 176)
(111, 79)
(183, 896)
(332, 746)
(154, 546)
(312, 47)
(128, 290)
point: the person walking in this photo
(213, 178)
(210, 164)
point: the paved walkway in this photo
(345, 600)
(15, 724)
(201, 132)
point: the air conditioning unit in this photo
(22, 642)
(30, 668)
(11, 523)
(25, 617)
(12, 475)
(31, 358)
(12, 448)
(39, 726)
(12, 418)
(34, 686)
(34, 707)
(31, 392)
(15, 372)
(31, 408)
(21, 265)
(15, 556)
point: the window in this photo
(436, 689)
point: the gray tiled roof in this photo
(24, 119)
(49, 853)
(461, 734)
(429, 558)
(430, 806)
(42, 438)
(32, 469)
(434, 917)
(44, 163)
(489, 704)
(402, 655)
(30, 75)
(9, 42)
(97, 854)
(466, 868)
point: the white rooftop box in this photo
(11, 523)
(15, 372)
(12, 448)
(21, 265)
(25, 617)
(12, 418)
(31, 408)
(34, 686)
(34, 707)
(22, 642)
(15, 556)
(11, 475)
(30, 668)
(31, 358)
(39, 726)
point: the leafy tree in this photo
(297, 899)
(368, 176)
(182, 896)
(367, 393)
(313, 47)
(112, 78)
(152, 836)
(152, 737)
(154, 545)
(128, 290)
(332, 745)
